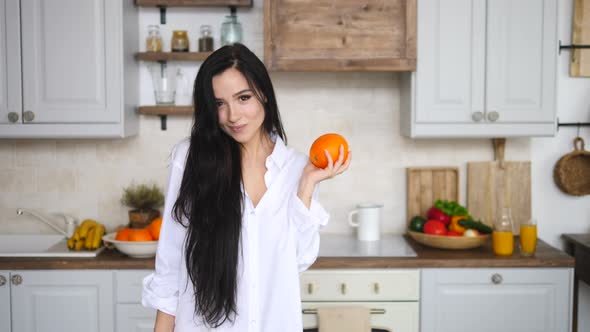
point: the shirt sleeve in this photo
(160, 289)
(307, 224)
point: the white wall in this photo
(556, 212)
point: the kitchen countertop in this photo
(426, 257)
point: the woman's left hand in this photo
(313, 175)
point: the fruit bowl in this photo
(137, 249)
(449, 242)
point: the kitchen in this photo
(85, 177)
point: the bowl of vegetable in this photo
(448, 225)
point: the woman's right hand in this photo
(164, 322)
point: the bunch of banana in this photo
(87, 236)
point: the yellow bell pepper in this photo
(454, 225)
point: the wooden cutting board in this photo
(580, 58)
(427, 184)
(495, 184)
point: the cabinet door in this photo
(522, 60)
(492, 300)
(450, 71)
(134, 317)
(68, 301)
(10, 76)
(71, 60)
(4, 301)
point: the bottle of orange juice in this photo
(503, 234)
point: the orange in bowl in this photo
(154, 228)
(141, 234)
(123, 235)
(330, 142)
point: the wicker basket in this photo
(572, 171)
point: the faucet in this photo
(68, 220)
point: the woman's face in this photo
(240, 113)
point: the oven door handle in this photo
(372, 311)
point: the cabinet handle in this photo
(496, 278)
(12, 117)
(309, 288)
(376, 288)
(343, 288)
(477, 116)
(372, 311)
(493, 116)
(16, 279)
(2, 281)
(29, 116)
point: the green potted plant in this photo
(144, 200)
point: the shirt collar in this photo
(279, 153)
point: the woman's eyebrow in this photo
(240, 92)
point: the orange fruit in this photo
(154, 228)
(330, 142)
(141, 234)
(123, 235)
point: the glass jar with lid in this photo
(206, 39)
(179, 41)
(153, 42)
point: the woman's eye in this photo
(244, 97)
(219, 103)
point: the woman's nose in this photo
(233, 113)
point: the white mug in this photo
(367, 219)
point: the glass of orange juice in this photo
(503, 234)
(528, 237)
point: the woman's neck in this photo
(259, 148)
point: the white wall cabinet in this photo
(491, 300)
(486, 68)
(74, 61)
(61, 300)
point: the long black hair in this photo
(210, 195)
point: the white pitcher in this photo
(367, 219)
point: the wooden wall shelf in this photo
(165, 110)
(193, 3)
(172, 56)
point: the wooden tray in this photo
(449, 242)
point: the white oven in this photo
(391, 295)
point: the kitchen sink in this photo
(39, 245)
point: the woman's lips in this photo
(237, 129)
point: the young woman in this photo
(241, 218)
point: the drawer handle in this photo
(343, 288)
(2, 280)
(496, 278)
(310, 288)
(372, 311)
(376, 288)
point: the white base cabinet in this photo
(60, 300)
(131, 315)
(5, 301)
(492, 300)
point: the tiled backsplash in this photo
(86, 177)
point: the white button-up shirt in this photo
(280, 239)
